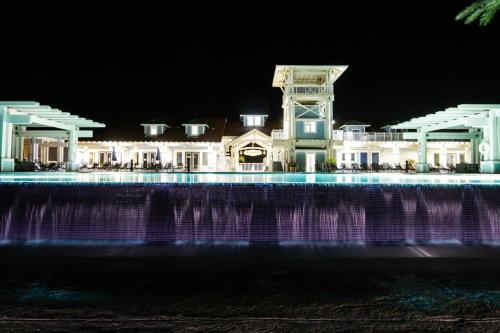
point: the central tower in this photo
(307, 112)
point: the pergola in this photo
(478, 122)
(19, 120)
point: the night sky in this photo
(122, 66)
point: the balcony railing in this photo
(367, 136)
(310, 90)
(278, 135)
(251, 167)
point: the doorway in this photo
(310, 162)
(363, 158)
(192, 161)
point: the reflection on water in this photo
(250, 213)
(247, 178)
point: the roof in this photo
(154, 122)
(195, 121)
(354, 123)
(236, 128)
(461, 117)
(174, 133)
(307, 73)
(255, 113)
(35, 115)
(390, 124)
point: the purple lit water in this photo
(250, 213)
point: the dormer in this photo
(354, 126)
(154, 128)
(195, 127)
(253, 120)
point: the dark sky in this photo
(125, 65)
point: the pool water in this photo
(248, 178)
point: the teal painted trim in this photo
(320, 130)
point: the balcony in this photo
(367, 136)
(251, 167)
(310, 89)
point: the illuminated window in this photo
(194, 130)
(154, 130)
(310, 127)
(250, 121)
(257, 121)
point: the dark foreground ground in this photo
(57, 290)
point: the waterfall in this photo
(251, 213)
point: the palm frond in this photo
(482, 10)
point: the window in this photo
(343, 156)
(153, 130)
(194, 130)
(257, 121)
(309, 127)
(353, 157)
(461, 158)
(204, 158)
(179, 157)
(355, 130)
(253, 121)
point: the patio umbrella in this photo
(113, 155)
(158, 155)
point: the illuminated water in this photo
(249, 208)
(249, 178)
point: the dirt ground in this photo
(66, 294)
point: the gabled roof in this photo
(236, 128)
(154, 122)
(354, 123)
(173, 133)
(390, 124)
(195, 121)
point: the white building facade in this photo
(305, 140)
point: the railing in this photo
(367, 136)
(250, 167)
(310, 90)
(278, 135)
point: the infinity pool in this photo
(248, 178)
(248, 208)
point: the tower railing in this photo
(297, 89)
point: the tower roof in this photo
(307, 74)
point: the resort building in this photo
(307, 139)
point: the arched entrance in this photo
(252, 157)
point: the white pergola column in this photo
(72, 164)
(6, 160)
(60, 150)
(34, 150)
(491, 163)
(422, 165)
(474, 146)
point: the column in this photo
(422, 165)
(6, 160)
(72, 164)
(474, 145)
(491, 163)
(34, 148)
(60, 150)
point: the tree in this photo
(484, 10)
